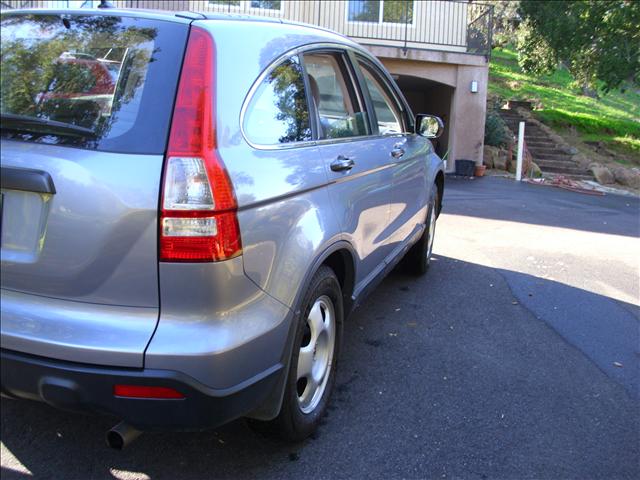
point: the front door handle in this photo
(397, 151)
(342, 164)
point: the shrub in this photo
(495, 130)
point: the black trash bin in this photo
(465, 167)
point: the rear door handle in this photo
(342, 164)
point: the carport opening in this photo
(427, 96)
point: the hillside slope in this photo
(610, 123)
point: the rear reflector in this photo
(198, 221)
(144, 391)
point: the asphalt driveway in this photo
(515, 357)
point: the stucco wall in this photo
(439, 72)
(467, 114)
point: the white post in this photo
(520, 151)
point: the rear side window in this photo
(339, 112)
(278, 112)
(93, 81)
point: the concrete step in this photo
(518, 120)
(564, 170)
(553, 157)
(556, 163)
(579, 177)
(509, 113)
(572, 176)
(539, 139)
(541, 136)
(516, 116)
(532, 134)
(544, 149)
(514, 126)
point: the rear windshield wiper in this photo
(12, 121)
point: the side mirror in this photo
(429, 126)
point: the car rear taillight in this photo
(198, 221)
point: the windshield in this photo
(94, 72)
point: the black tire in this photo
(418, 258)
(293, 424)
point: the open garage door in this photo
(428, 96)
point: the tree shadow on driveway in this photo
(453, 374)
(507, 200)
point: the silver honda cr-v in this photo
(191, 207)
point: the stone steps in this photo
(582, 176)
(543, 149)
(527, 128)
(552, 156)
(516, 122)
(563, 168)
(528, 132)
(557, 164)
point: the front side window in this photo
(333, 95)
(383, 11)
(388, 113)
(278, 112)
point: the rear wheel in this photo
(418, 258)
(313, 362)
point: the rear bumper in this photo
(88, 388)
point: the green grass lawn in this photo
(613, 119)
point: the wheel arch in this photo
(439, 181)
(340, 257)
(342, 262)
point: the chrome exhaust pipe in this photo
(121, 435)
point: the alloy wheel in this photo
(316, 354)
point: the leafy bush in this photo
(495, 130)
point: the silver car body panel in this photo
(99, 242)
(226, 324)
(76, 331)
(88, 291)
(216, 325)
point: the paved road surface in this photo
(498, 364)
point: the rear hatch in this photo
(86, 103)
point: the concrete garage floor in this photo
(498, 364)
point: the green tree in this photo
(505, 21)
(597, 40)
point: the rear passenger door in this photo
(407, 152)
(357, 164)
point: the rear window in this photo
(92, 81)
(278, 112)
